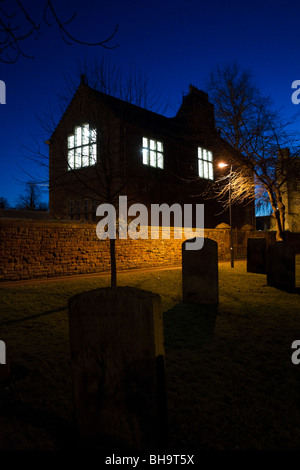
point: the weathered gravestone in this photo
(281, 266)
(200, 279)
(4, 365)
(117, 354)
(256, 255)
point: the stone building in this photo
(290, 190)
(104, 148)
(291, 196)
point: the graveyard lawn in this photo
(230, 380)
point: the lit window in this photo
(82, 147)
(205, 164)
(153, 153)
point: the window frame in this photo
(205, 164)
(153, 153)
(82, 147)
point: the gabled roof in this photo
(128, 112)
(195, 109)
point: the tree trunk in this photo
(113, 265)
(278, 214)
(280, 236)
(281, 209)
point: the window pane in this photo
(152, 145)
(71, 141)
(209, 156)
(77, 158)
(200, 168)
(200, 152)
(211, 172)
(70, 159)
(77, 136)
(146, 157)
(85, 156)
(160, 160)
(85, 134)
(93, 154)
(93, 136)
(205, 167)
(145, 142)
(152, 158)
(159, 147)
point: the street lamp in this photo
(223, 165)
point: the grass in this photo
(230, 380)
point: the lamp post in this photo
(223, 165)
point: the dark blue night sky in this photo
(174, 43)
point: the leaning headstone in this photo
(200, 279)
(117, 356)
(281, 266)
(256, 255)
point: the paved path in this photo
(72, 277)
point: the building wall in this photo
(293, 206)
(38, 249)
(290, 193)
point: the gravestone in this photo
(4, 365)
(281, 266)
(256, 255)
(117, 356)
(200, 279)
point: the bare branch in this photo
(17, 24)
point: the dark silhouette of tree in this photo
(4, 204)
(17, 24)
(265, 150)
(30, 199)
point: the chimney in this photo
(197, 111)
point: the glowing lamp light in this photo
(222, 165)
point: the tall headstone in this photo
(256, 255)
(117, 357)
(200, 277)
(281, 266)
(4, 365)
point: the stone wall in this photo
(35, 249)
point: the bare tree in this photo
(258, 139)
(4, 204)
(30, 199)
(18, 24)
